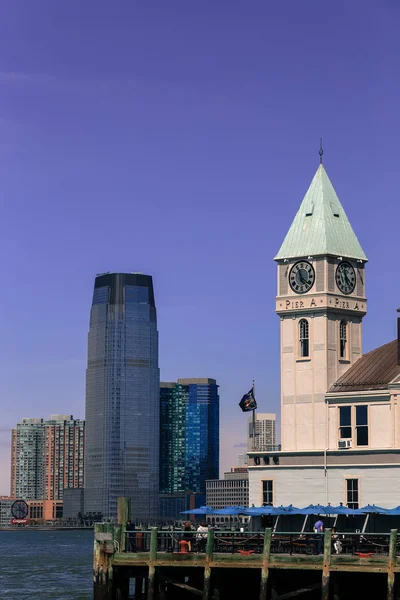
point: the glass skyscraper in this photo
(189, 440)
(122, 397)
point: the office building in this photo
(233, 490)
(189, 444)
(73, 503)
(46, 457)
(242, 460)
(339, 416)
(122, 397)
(173, 399)
(265, 434)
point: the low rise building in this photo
(45, 510)
(233, 490)
(6, 503)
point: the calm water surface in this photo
(54, 565)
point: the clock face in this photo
(301, 277)
(345, 278)
(19, 509)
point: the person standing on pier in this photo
(130, 546)
(201, 536)
(319, 528)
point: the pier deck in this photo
(252, 565)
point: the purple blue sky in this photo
(178, 138)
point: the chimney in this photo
(398, 338)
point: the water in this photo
(47, 565)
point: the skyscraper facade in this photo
(27, 454)
(265, 432)
(189, 446)
(63, 463)
(47, 457)
(122, 397)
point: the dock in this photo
(250, 565)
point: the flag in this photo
(248, 402)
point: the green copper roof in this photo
(321, 225)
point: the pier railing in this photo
(248, 542)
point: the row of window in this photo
(351, 499)
(304, 338)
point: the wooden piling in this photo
(265, 564)
(326, 564)
(151, 589)
(391, 564)
(102, 563)
(121, 585)
(138, 587)
(124, 511)
(207, 568)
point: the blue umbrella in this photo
(285, 510)
(343, 510)
(258, 511)
(316, 509)
(393, 511)
(231, 510)
(203, 510)
(371, 508)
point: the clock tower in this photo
(321, 303)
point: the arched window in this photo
(304, 338)
(343, 339)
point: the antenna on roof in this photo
(321, 152)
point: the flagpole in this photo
(254, 421)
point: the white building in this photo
(233, 490)
(265, 432)
(339, 410)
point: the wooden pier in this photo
(213, 575)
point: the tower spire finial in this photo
(321, 152)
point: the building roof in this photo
(373, 371)
(321, 226)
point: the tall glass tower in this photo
(189, 450)
(122, 397)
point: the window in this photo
(347, 419)
(267, 492)
(352, 493)
(304, 339)
(345, 422)
(362, 425)
(343, 339)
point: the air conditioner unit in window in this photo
(345, 444)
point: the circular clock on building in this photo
(301, 277)
(345, 278)
(19, 509)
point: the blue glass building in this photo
(189, 436)
(122, 397)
